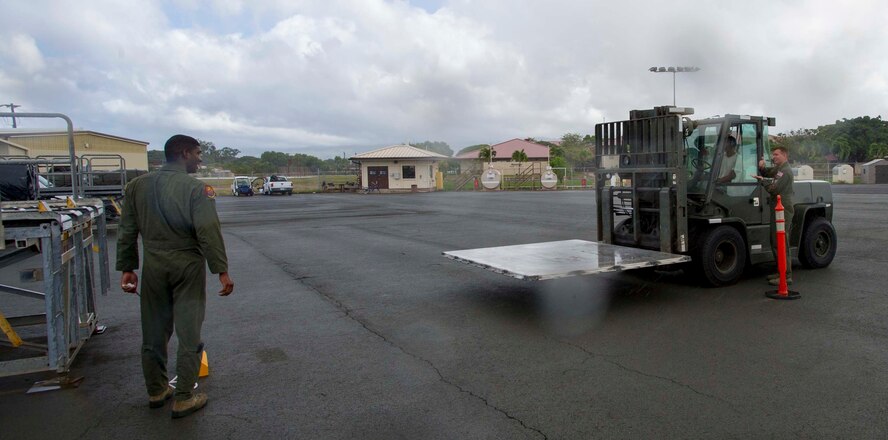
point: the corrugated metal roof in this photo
(505, 149)
(399, 152)
(10, 133)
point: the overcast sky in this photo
(329, 77)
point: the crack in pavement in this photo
(90, 428)
(286, 268)
(642, 373)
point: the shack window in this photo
(409, 171)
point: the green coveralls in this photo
(176, 217)
(780, 185)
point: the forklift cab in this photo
(722, 156)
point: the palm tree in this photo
(519, 156)
(486, 154)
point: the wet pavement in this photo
(347, 322)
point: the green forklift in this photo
(669, 183)
(675, 191)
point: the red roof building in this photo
(505, 149)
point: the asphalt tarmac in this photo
(346, 322)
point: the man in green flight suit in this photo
(777, 180)
(176, 217)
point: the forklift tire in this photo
(721, 258)
(819, 243)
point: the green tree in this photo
(250, 165)
(850, 139)
(578, 150)
(337, 164)
(519, 156)
(275, 158)
(300, 161)
(210, 153)
(803, 145)
(486, 154)
(227, 154)
(877, 150)
(558, 164)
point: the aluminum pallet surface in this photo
(562, 259)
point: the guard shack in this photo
(803, 172)
(875, 171)
(843, 174)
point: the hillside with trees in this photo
(849, 140)
(268, 162)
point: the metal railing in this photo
(71, 154)
(466, 175)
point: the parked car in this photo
(275, 184)
(240, 186)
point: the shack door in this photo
(377, 177)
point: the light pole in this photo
(673, 71)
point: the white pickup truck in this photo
(275, 184)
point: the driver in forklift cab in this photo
(701, 162)
(729, 161)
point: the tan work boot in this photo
(182, 408)
(159, 400)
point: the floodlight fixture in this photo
(673, 70)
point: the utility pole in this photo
(11, 110)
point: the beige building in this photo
(399, 168)
(86, 143)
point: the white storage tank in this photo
(843, 174)
(491, 178)
(549, 179)
(803, 172)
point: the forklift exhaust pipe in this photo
(782, 292)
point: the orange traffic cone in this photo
(782, 292)
(204, 366)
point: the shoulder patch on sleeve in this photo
(209, 192)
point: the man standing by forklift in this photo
(176, 217)
(777, 181)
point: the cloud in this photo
(202, 123)
(318, 76)
(22, 54)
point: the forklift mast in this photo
(648, 152)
